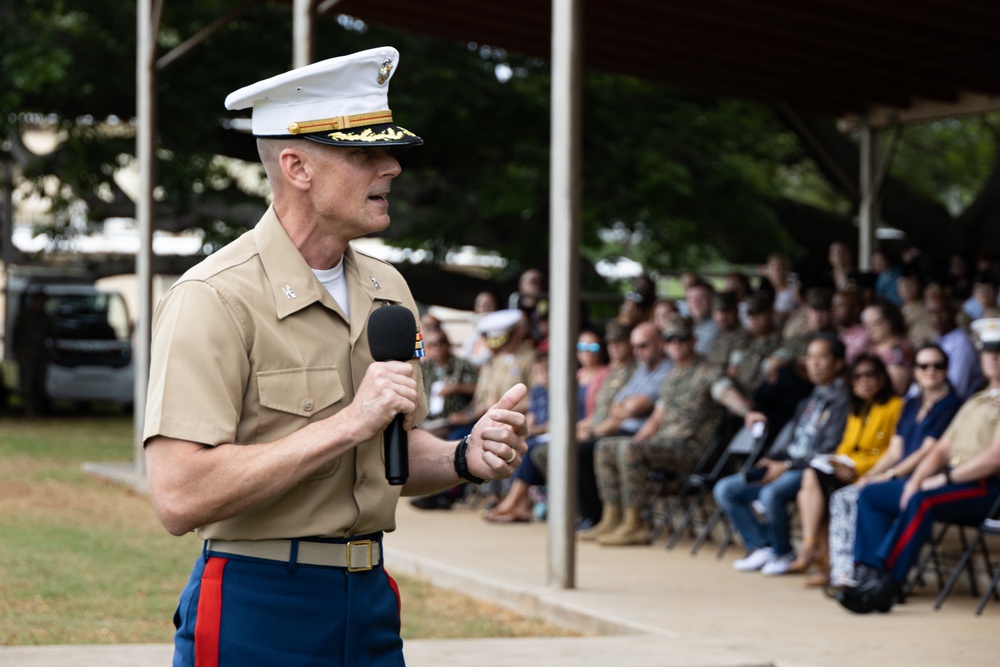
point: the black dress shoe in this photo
(879, 594)
(437, 501)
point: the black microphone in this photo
(392, 336)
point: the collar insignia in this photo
(289, 292)
(375, 282)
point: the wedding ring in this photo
(513, 455)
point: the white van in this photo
(92, 351)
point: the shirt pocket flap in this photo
(300, 391)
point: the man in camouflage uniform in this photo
(674, 438)
(449, 381)
(732, 336)
(747, 363)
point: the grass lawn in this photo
(86, 561)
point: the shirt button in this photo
(363, 479)
(307, 405)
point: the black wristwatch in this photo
(947, 475)
(461, 465)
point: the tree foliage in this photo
(671, 179)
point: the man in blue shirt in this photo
(632, 405)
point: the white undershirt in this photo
(335, 283)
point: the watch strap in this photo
(462, 464)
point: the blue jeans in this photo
(735, 496)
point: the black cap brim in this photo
(382, 134)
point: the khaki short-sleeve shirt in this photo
(249, 347)
(974, 428)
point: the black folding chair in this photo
(989, 526)
(933, 558)
(690, 481)
(747, 444)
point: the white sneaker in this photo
(778, 565)
(755, 560)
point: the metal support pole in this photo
(303, 13)
(148, 16)
(868, 213)
(564, 230)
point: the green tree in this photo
(671, 179)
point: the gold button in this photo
(307, 405)
(293, 128)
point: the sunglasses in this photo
(937, 365)
(588, 347)
(677, 339)
(860, 375)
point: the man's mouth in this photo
(384, 197)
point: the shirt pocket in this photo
(291, 398)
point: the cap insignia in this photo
(384, 71)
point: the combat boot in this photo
(633, 530)
(611, 518)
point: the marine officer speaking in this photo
(266, 412)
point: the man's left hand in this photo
(497, 441)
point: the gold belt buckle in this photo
(350, 549)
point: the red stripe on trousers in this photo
(925, 506)
(207, 627)
(399, 599)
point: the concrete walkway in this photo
(639, 606)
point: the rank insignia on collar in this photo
(375, 282)
(289, 292)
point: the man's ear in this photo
(295, 170)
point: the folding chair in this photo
(933, 557)
(989, 526)
(689, 481)
(747, 443)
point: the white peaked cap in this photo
(339, 101)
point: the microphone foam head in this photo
(392, 333)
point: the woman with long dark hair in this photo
(875, 409)
(924, 419)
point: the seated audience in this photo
(698, 298)
(847, 321)
(747, 366)
(925, 416)
(956, 481)
(817, 428)
(449, 381)
(842, 274)
(635, 307)
(777, 271)
(628, 411)
(870, 424)
(732, 335)
(910, 286)
(887, 338)
(505, 332)
(983, 302)
(663, 310)
(516, 505)
(885, 266)
(673, 439)
(963, 360)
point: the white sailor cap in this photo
(987, 331)
(341, 101)
(498, 325)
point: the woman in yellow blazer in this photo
(875, 409)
